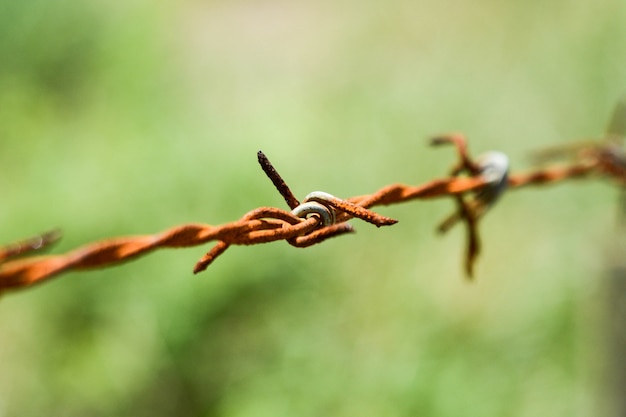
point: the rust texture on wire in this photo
(474, 184)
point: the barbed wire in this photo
(475, 185)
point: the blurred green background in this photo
(121, 118)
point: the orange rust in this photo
(268, 224)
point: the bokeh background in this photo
(120, 118)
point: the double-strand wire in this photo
(303, 226)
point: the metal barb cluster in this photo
(321, 216)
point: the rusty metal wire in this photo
(29, 245)
(474, 184)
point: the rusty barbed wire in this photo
(29, 245)
(474, 184)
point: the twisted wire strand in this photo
(268, 224)
(253, 228)
(29, 245)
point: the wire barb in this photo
(310, 222)
(493, 168)
(29, 245)
(277, 180)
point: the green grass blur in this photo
(121, 118)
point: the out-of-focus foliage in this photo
(129, 117)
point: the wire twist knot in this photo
(317, 204)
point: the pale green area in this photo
(130, 117)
